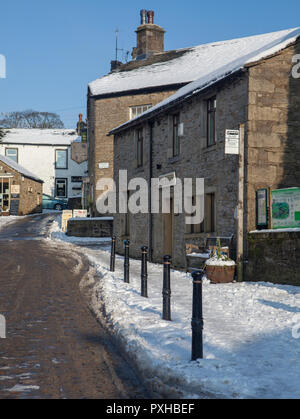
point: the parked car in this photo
(54, 203)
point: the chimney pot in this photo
(150, 15)
(143, 17)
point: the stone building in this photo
(152, 76)
(249, 84)
(20, 191)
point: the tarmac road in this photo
(54, 348)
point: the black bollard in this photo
(197, 320)
(144, 272)
(113, 254)
(167, 289)
(126, 261)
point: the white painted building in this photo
(56, 156)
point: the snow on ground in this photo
(57, 234)
(7, 220)
(249, 348)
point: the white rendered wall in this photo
(40, 160)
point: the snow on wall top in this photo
(20, 169)
(40, 137)
(206, 64)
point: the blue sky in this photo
(54, 48)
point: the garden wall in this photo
(274, 257)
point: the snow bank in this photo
(7, 220)
(56, 233)
(249, 348)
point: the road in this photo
(54, 348)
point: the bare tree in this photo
(31, 119)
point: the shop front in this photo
(5, 195)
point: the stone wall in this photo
(273, 131)
(274, 257)
(196, 160)
(104, 114)
(92, 227)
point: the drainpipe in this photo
(150, 219)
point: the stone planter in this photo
(220, 274)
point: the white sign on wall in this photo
(103, 165)
(80, 214)
(232, 141)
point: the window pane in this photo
(61, 188)
(61, 159)
(12, 153)
(138, 110)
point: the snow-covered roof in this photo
(202, 66)
(62, 137)
(18, 168)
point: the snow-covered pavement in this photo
(251, 348)
(7, 220)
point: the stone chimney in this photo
(150, 37)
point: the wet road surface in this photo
(54, 347)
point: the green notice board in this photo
(286, 208)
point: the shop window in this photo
(4, 195)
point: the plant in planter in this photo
(220, 268)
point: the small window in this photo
(176, 145)
(136, 111)
(140, 148)
(61, 159)
(12, 153)
(211, 121)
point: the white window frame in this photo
(8, 149)
(135, 111)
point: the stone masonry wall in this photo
(273, 132)
(220, 171)
(274, 257)
(30, 199)
(104, 115)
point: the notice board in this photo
(286, 208)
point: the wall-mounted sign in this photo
(103, 165)
(286, 208)
(66, 215)
(232, 141)
(80, 213)
(15, 189)
(262, 208)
